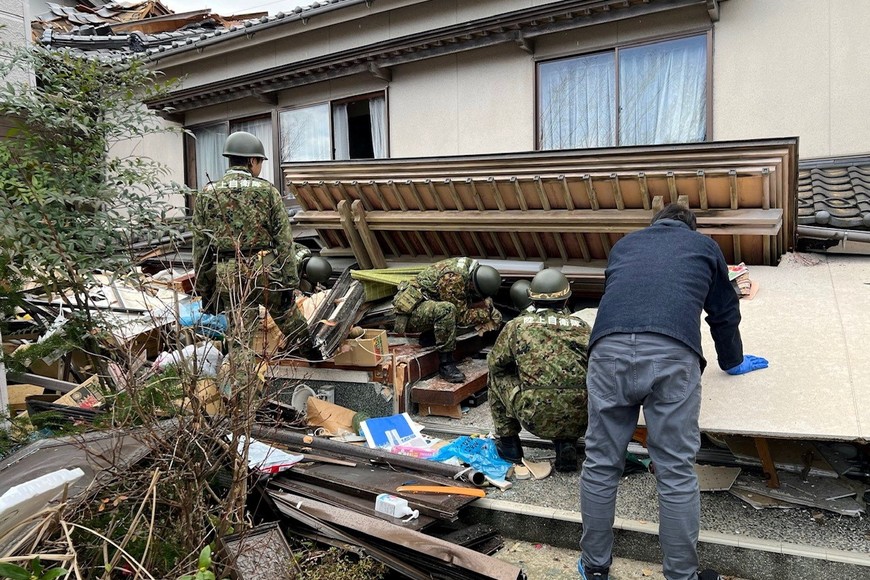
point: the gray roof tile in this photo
(835, 196)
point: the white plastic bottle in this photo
(395, 506)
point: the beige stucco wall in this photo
(165, 148)
(794, 67)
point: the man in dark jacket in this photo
(645, 349)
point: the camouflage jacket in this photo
(450, 281)
(541, 349)
(245, 214)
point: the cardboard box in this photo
(369, 350)
(86, 395)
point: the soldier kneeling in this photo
(537, 373)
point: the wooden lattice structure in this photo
(559, 207)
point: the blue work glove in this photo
(750, 363)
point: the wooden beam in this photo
(732, 188)
(672, 186)
(367, 205)
(454, 194)
(368, 239)
(475, 195)
(381, 199)
(569, 201)
(658, 203)
(499, 200)
(356, 244)
(683, 200)
(542, 195)
(590, 191)
(702, 189)
(415, 194)
(767, 463)
(617, 193)
(644, 190)
(399, 199)
(434, 193)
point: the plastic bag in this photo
(190, 314)
(477, 452)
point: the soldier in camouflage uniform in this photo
(243, 246)
(447, 294)
(537, 374)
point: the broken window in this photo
(641, 95)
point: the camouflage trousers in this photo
(442, 319)
(245, 301)
(546, 413)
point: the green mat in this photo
(383, 283)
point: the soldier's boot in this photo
(510, 448)
(448, 370)
(566, 454)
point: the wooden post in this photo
(767, 464)
(368, 239)
(353, 237)
(4, 394)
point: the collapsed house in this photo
(519, 212)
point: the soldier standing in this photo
(537, 373)
(447, 294)
(243, 250)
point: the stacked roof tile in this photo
(835, 196)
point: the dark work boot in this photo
(448, 370)
(509, 448)
(709, 575)
(566, 454)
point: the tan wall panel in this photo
(790, 67)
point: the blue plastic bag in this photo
(477, 452)
(190, 315)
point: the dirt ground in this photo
(543, 562)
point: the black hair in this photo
(675, 211)
(238, 161)
(557, 305)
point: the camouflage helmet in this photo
(317, 270)
(520, 294)
(244, 144)
(549, 285)
(487, 280)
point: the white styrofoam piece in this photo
(26, 499)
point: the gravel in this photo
(720, 511)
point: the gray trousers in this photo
(664, 375)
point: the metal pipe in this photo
(833, 234)
(301, 440)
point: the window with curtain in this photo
(262, 129)
(662, 96)
(210, 162)
(350, 129)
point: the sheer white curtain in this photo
(210, 161)
(377, 115)
(663, 92)
(576, 105)
(305, 134)
(262, 129)
(340, 134)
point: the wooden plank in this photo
(617, 192)
(584, 247)
(702, 189)
(499, 200)
(672, 186)
(732, 188)
(644, 190)
(498, 245)
(569, 201)
(767, 463)
(300, 197)
(518, 245)
(437, 391)
(376, 256)
(328, 194)
(683, 200)
(345, 194)
(312, 195)
(415, 194)
(367, 204)
(434, 193)
(423, 243)
(360, 251)
(658, 203)
(475, 195)
(605, 244)
(542, 195)
(557, 237)
(452, 411)
(399, 199)
(590, 191)
(454, 195)
(381, 199)
(521, 197)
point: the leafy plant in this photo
(203, 571)
(33, 571)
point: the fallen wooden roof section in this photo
(559, 207)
